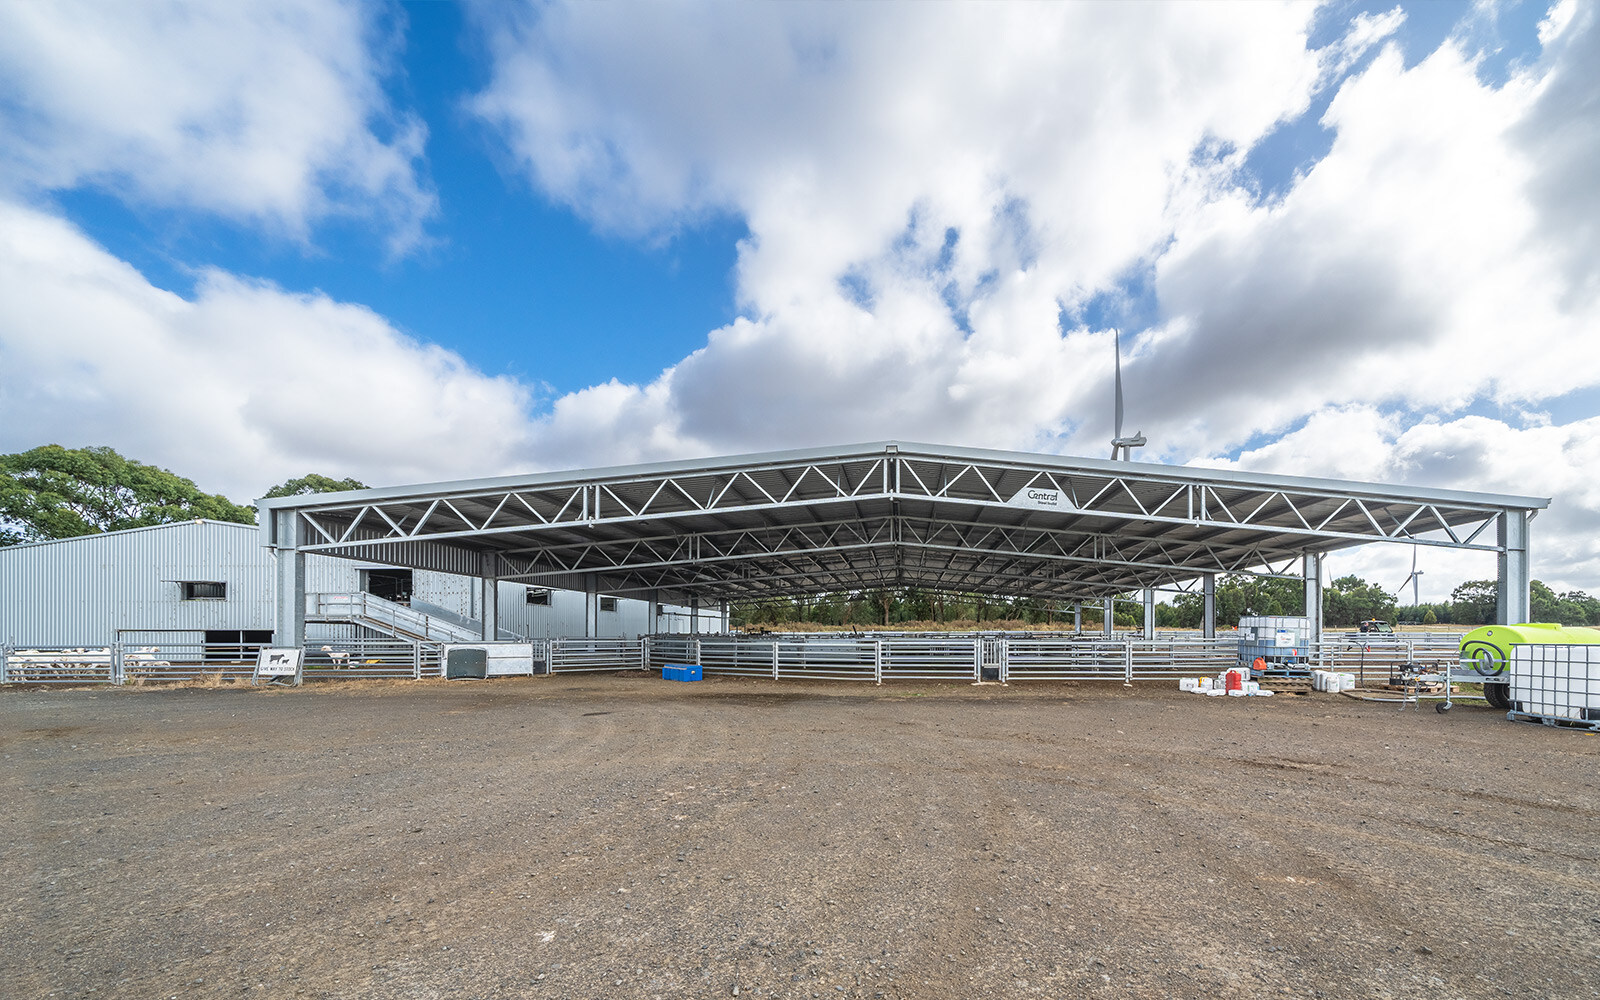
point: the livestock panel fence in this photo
(879, 657)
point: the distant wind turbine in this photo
(1414, 579)
(1122, 447)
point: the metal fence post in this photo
(1127, 664)
(5, 658)
(416, 660)
(877, 661)
(116, 663)
(774, 659)
(697, 653)
(1005, 660)
(644, 652)
(977, 659)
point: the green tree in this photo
(311, 482)
(1580, 608)
(1351, 600)
(1474, 602)
(55, 492)
(1430, 618)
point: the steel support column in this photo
(1108, 617)
(1077, 617)
(489, 598)
(1511, 597)
(1312, 569)
(289, 604)
(1149, 613)
(1208, 614)
(724, 613)
(591, 606)
(694, 614)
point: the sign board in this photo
(278, 661)
(1038, 498)
(1285, 638)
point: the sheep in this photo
(340, 660)
(142, 661)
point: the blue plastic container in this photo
(680, 672)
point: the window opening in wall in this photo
(203, 590)
(608, 604)
(235, 645)
(539, 597)
(389, 584)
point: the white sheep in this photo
(340, 660)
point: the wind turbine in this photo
(1414, 579)
(1122, 447)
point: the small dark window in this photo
(539, 597)
(608, 604)
(200, 590)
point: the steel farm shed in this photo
(887, 514)
(212, 581)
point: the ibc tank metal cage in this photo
(1557, 685)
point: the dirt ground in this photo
(616, 836)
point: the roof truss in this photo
(889, 515)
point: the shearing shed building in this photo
(212, 582)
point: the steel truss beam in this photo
(891, 515)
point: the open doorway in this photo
(389, 584)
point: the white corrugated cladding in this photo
(81, 591)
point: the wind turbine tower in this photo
(1122, 447)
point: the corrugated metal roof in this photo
(253, 528)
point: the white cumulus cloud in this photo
(242, 386)
(267, 113)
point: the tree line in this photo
(55, 492)
(1346, 602)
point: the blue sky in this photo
(428, 241)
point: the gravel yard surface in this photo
(623, 836)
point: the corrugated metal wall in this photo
(81, 591)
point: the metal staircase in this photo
(425, 624)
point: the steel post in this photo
(1511, 597)
(1149, 613)
(591, 607)
(1108, 618)
(289, 582)
(1208, 614)
(1312, 570)
(489, 598)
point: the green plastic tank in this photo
(1487, 651)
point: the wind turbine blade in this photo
(1116, 339)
